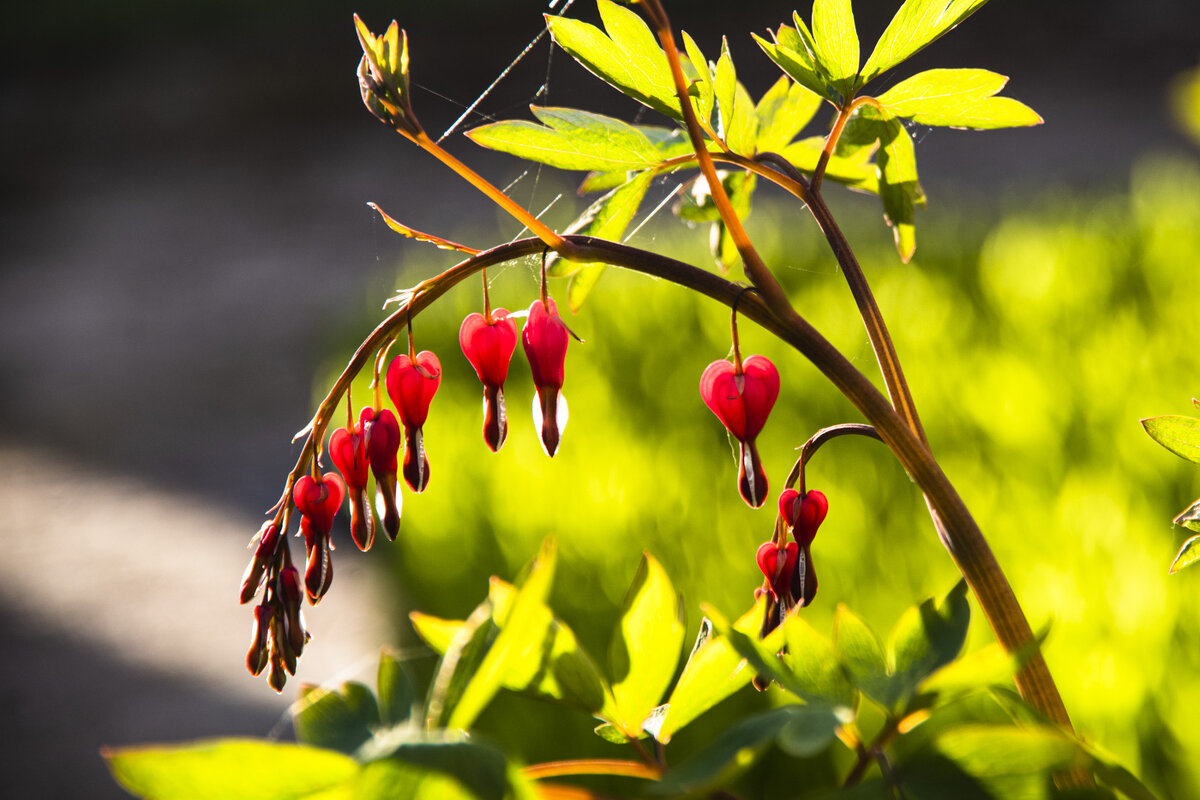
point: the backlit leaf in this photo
(1188, 555)
(630, 60)
(714, 671)
(796, 62)
(395, 690)
(1005, 761)
(1180, 435)
(782, 113)
(916, 24)
(218, 769)
(522, 639)
(645, 647)
(1190, 517)
(836, 42)
(459, 663)
(481, 769)
(335, 720)
(959, 98)
(703, 98)
(857, 174)
(570, 139)
(925, 638)
(859, 650)
(732, 752)
(607, 218)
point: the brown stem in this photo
(814, 443)
(755, 269)
(835, 133)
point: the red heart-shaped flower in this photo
(778, 564)
(741, 401)
(319, 499)
(348, 449)
(489, 346)
(412, 383)
(803, 513)
(544, 339)
(381, 432)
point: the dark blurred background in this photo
(184, 240)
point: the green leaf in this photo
(732, 752)
(788, 52)
(814, 666)
(523, 639)
(917, 24)
(739, 123)
(333, 720)
(1006, 761)
(436, 632)
(631, 60)
(899, 187)
(1190, 517)
(1118, 777)
(809, 730)
(1188, 554)
(479, 768)
(739, 186)
(645, 647)
(836, 42)
(565, 672)
(570, 139)
(1180, 435)
(607, 218)
(958, 98)
(782, 113)
(218, 769)
(460, 661)
(713, 672)
(925, 638)
(703, 96)
(859, 651)
(396, 693)
(857, 174)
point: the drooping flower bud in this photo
(348, 449)
(489, 347)
(256, 658)
(252, 580)
(290, 598)
(778, 565)
(802, 514)
(412, 383)
(318, 500)
(742, 399)
(544, 339)
(381, 433)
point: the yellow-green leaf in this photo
(645, 647)
(916, 24)
(836, 42)
(570, 139)
(957, 98)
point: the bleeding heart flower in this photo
(318, 500)
(348, 449)
(381, 433)
(742, 399)
(778, 564)
(802, 514)
(290, 597)
(256, 658)
(544, 339)
(412, 383)
(489, 347)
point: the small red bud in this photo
(544, 339)
(256, 658)
(803, 513)
(318, 572)
(778, 565)
(348, 449)
(291, 598)
(382, 435)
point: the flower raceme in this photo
(544, 339)
(488, 343)
(318, 500)
(411, 383)
(742, 396)
(381, 435)
(348, 449)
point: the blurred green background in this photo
(1036, 332)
